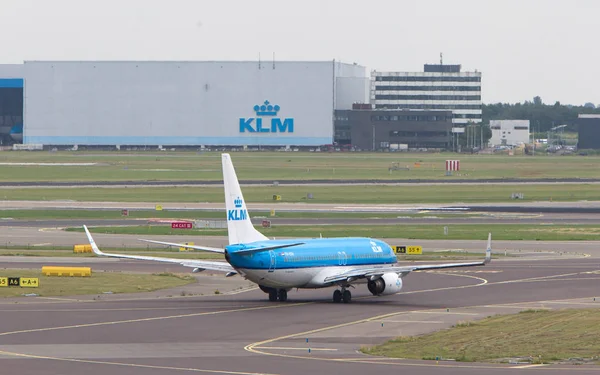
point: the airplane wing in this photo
(376, 272)
(241, 250)
(199, 264)
(195, 247)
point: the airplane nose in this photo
(226, 255)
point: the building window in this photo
(428, 106)
(426, 79)
(427, 97)
(428, 88)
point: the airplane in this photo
(278, 266)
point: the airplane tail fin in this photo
(488, 251)
(239, 226)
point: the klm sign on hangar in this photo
(261, 124)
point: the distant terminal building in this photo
(11, 103)
(509, 132)
(438, 87)
(171, 103)
(394, 130)
(589, 132)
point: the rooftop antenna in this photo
(259, 60)
(441, 59)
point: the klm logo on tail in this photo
(238, 213)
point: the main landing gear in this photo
(342, 295)
(276, 294)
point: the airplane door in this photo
(273, 262)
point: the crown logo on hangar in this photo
(238, 202)
(266, 109)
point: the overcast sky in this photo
(524, 48)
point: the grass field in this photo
(374, 194)
(156, 250)
(154, 165)
(545, 336)
(513, 232)
(98, 283)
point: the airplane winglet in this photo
(488, 251)
(95, 248)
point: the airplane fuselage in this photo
(307, 265)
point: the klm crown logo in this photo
(266, 109)
(238, 202)
(256, 125)
(237, 214)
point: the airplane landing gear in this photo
(343, 295)
(346, 296)
(337, 296)
(275, 294)
(282, 295)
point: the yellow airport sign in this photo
(410, 250)
(158, 207)
(24, 282)
(399, 249)
(29, 282)
(415, 250)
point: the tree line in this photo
(542, 117)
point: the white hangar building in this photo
(211, 103)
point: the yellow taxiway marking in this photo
(151, 319)
(481, 279)
(290, 348)
(255, 347)
(187, 369)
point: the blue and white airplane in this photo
(278, 266)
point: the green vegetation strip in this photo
(162, 252)
(173, 166)
(346, 194)
(98, 283)
(424, 232)
(203, 214)
(545, 336)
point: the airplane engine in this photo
(388, 283)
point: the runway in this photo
(243, 333)
(579, 207)
(240, 332)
